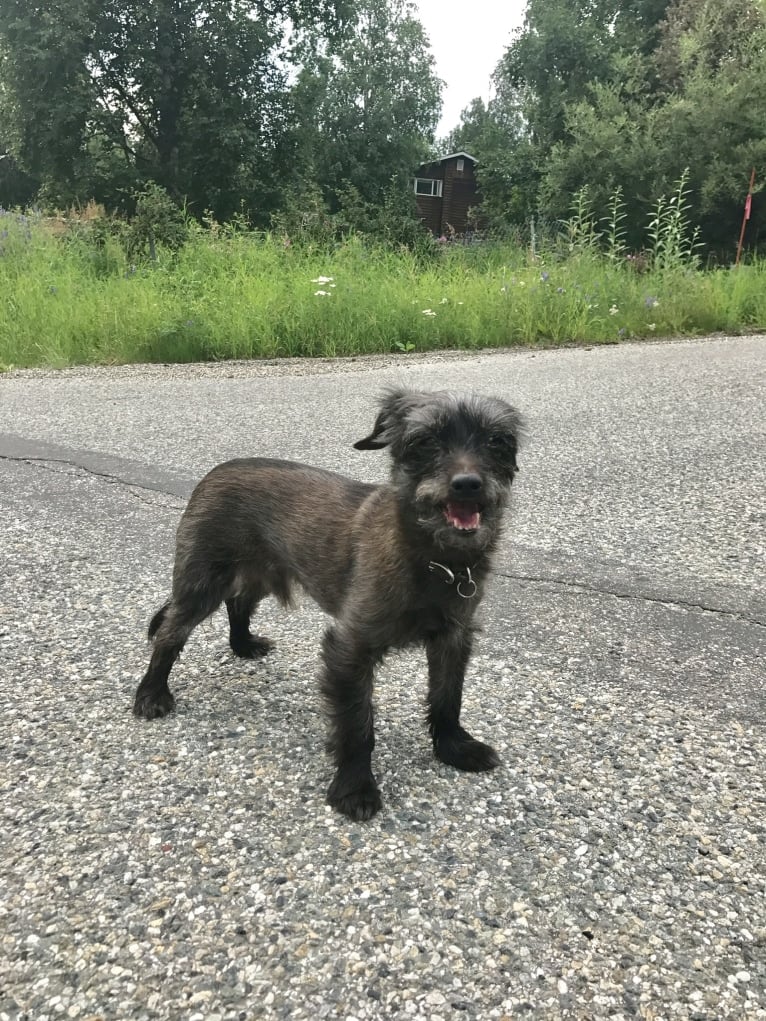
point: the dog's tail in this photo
(157, 620)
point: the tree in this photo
(698, 36)
(702, 110)
(366, 106)
(47, 96)
(16, 187)
(613, 95)
(189, 94)
(562, 50)
(610, 145)
(566, 45)
(712, 114)
(496, 135)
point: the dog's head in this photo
(454, 459)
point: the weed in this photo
(580, 230)
(614, 231)
(74, 296)
(674, 245)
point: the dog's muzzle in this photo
(463, 510)
(465, 516)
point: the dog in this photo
(396, 565)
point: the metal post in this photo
(746, 217)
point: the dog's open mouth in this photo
(464, 516)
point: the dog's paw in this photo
(252, 647)
(150, 705)
(355, 795)
(464, 752)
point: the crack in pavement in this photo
(45, 462)
(110, 467)
(584, 588)
(136, 475)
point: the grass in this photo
(74, 297)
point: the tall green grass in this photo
(75, 297)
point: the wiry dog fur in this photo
(395, 565)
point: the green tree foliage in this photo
(102, 96)
(47, 97)
(610, 95)
(366, 105)
(567, 45)
(705, 113)
(698, 37)
(495, 133)
(16, 187)
(563, 48)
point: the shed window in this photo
(460, 166)
(426, 186)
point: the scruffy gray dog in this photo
(395, 565)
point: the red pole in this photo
(746, 217)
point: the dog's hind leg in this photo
(171, 626)
(347, 687)
(448, 654)
(157, 619)
(241, 640)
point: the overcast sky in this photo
(468, 37)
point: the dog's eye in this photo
(497, 441)
(421, 443)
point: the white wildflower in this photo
(324, 294)
(613, 310)
(428, 312)
(323, 280)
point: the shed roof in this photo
(452, 155)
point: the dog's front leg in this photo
(448, 654)
(347, 687)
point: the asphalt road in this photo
(614, 866)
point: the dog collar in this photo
(458, 578)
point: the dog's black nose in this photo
(466, 486)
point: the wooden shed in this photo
(445, 190)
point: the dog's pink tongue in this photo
(463, 515)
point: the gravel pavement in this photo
(614, 866)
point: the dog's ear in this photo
(390, 415)
(376, 440)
